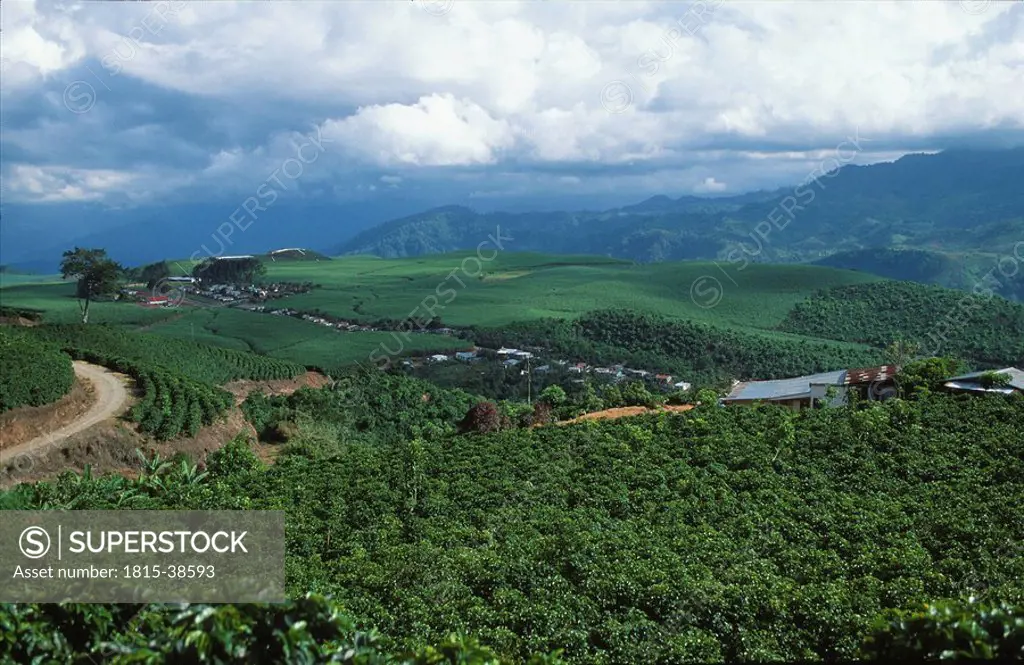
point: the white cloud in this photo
(438, 130)
(710, 185)
(60, 184)
(521, 83)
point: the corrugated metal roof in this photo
(965, 382)
(863, 375)
(794, 388)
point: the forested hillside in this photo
(750, 534)
(987, 330)
(965, 271)
(699, 352)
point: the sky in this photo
(498, 104)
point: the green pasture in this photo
(518, 287)
(293, 339)
(59, 305)
(463, 291)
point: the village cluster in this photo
(513, 358)
(228, 294)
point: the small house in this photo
(681, 385)
(872, 383)
(439, 358)
(511, 362)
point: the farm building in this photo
(873, 383)
(977, 382)
(466, 356)
(439, 358)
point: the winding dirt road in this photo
(112, 397)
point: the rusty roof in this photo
(864, 375)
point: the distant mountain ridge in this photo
(955, 211)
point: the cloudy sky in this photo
(138, 104)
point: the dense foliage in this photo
(201, 362)
(311, 629)
(175, 378)
(736, 534)
(698, 352)
(962, 631)
(375, 407)
(171, 404)
(985, 329)
(32, 372)
(229, 271)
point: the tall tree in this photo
(96, 275)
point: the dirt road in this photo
(627, 411)
(111, 400)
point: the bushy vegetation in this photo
(745, 534)
(311, 630)
(948, 631)
(698, 352)
(377, 407)
(229, 271)
(32, 372)
(987, 330)
(197, 361)
(170, 404)
(176, 378)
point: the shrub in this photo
(481, 418)
(32, 373)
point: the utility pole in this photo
(529, 382)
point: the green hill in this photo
(959, 201)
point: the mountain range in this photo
(947, 218)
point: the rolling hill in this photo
(962, 210)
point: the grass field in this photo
(518, 287)
(58, 304)
(291, 339)
(14, 279)
(464, 291)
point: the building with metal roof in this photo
(803, 391)
(973, 383)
